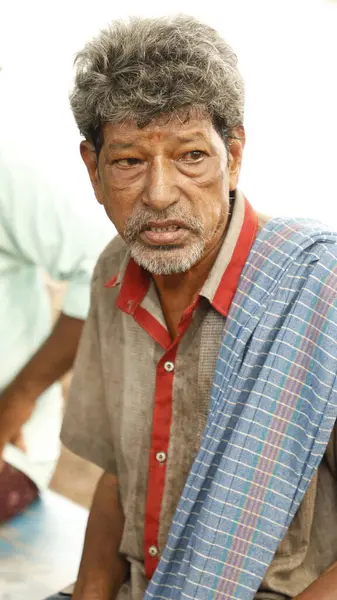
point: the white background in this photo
(288, 56)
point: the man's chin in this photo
(167, 248)
(166, 259)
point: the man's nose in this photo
(161, 189)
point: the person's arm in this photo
(324, 588)
(54, 358)
(103, 569)
(49, 226)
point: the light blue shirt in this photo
(43, 229)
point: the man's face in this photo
(166, 188)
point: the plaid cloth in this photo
(272, 409)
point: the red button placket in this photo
(161, 426)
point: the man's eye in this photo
(193, 156)
(127, 162)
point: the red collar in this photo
(229, 282)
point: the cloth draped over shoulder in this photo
(272, 409)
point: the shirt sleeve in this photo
(50, 226)
(87, 430)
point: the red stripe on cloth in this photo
(112, 282)
(230, 279)
(134, 287)
(155, 329)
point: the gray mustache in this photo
(139, 221)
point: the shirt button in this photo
(153, 551)
(169, 366)
(161, 457)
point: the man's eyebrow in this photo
(190, 138)
(120, 145)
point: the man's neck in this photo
(178, 291)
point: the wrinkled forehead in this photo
(175, 128)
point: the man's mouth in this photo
(159, 234)
(161, 229)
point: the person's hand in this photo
(18, 441)
(15, 409)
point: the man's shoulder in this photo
(297, 232)
(110, 260)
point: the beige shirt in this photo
(138, 406)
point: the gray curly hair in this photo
(141, 68)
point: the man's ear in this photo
(90, 160)
(237, 142)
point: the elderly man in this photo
(205, 381)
